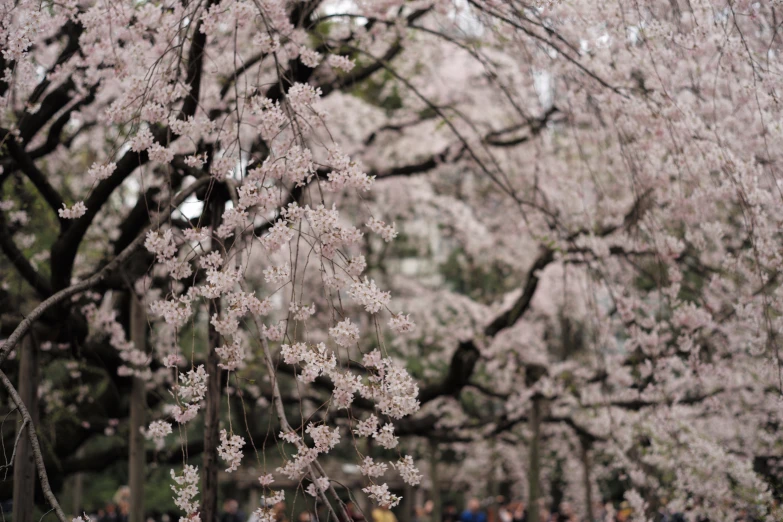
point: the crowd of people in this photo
(115, 511)
(501, 510)
(497, 509)
(491, 510)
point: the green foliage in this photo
(100, 488)
(376, 91)
(478, 281)
(43, 225)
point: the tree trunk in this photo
(138, 405)
(492, 486)
(534, 471)
(585, 448)
(77, 496)
(24, 465)
(211, 414)
(408, 504)
(437, 505)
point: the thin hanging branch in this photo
(37, 455)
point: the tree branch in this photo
(23, 266)
(464, 360)
(37, 177)
(36, 447)
(65, 293)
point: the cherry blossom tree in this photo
(539, 236)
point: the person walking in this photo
(450, 513)
(473, 512)
(505, 513)
(354, 513)
(231, 512)
(383, 514)
(518, 512)
(424, 513)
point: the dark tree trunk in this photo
(138, 404)
(534, 464)
(211, 417)
(24, 464)
(585, 449)
(437, 504)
